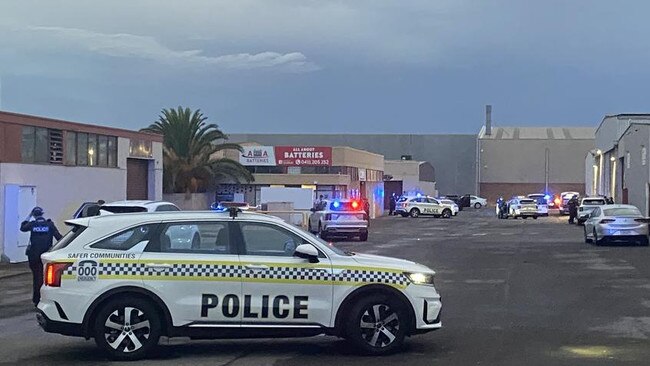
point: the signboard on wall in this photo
(303, 155)
(257, 156)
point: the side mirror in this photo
(306, 251)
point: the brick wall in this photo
(492, 191)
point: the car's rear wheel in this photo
(415, 213)
(321, 233)
(446, 213)
(377, 325)
(477, 205)
(127, 329)
(363, 237)
(596, 241)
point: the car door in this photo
(277, 287)
(433, 206)
(199, 281)
(591, 221)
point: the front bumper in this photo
(59, 327)
(427, 306)
(345, 230)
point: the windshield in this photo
(539, 200)
(593, 202)
(622, 211)
(123, 209)
(68, 238)
(526, 202)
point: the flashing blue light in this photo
(547, 197)
(336, 204)
(419, 194)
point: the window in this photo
(622, 211)
(102, 147)
(55, 139)
(70, 148)
(92, 149)
(431, 200)
(112, 152)
(644, 155)
(269, 240)
(126, 239)
(205, 238)
(27, 145)
(82, 149)
(167, 208)
(595, 213)
(41, 146)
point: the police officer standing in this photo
(42, 231)
(392, 204)
(573, 209)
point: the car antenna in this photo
(233, 212)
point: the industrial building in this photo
(329, 171)
(408, 177)
(453, 156)
(619, 167)
(521, 160)
(58, 165)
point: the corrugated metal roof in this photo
(539, 133)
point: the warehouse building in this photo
(522, 160)
(619, 160)
(453, 156)
(58, 165)
(331, 172)
(408, 177)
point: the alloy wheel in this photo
(379, 325)
(127, 329)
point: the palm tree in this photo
(189, 148)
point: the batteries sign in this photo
(303, 155)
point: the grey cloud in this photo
(149, 48)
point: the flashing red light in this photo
(355, 204)
(557, 201)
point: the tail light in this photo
(328, 217)
(355, 204)
(607, 221)
(53, 273)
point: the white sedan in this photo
(477, 202)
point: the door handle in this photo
(257, 267)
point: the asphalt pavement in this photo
(524, 292)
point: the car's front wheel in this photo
(377, 325)
(477, 205)
(446, 213)
(127, 329)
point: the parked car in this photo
(541, 200)
(451, 204)
(616, 223)
(129, 206)
(477, 202)
(422, 205)
(522, 207)
(339, 218)
(587, 205)
(564, 200)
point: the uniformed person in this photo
(573, 209)
(392, 204)
(42, 231)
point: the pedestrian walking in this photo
(42, 232)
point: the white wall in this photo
(61, 190)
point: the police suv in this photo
(422, 205)
(125, 281)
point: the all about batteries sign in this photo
(303, 155)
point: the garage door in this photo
(137, 179)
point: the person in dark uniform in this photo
(94, 209)
(42, 232)
(392, 204)
(573, 209)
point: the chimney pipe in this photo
(488, 120)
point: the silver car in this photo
(340, 218)
(616, 223)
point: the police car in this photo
(342, 218)
(422, 205)
(124, 281)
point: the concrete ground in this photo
(514, 292)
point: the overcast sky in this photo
(406, 66)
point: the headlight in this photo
(420, 278)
